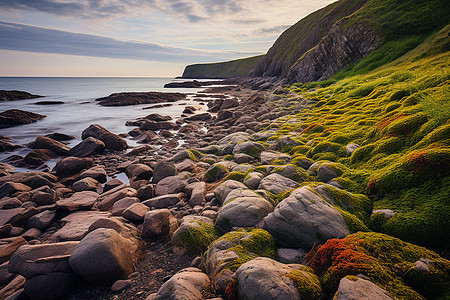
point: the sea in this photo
(80, 109)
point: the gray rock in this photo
(312, 170)
(242, 158)
(243, 212)
(386, 212)
(170, 185)
(325, 173)
(291, 256)
(158, 223)
(103, 257)
(304, 219)
(350, 148)
(163, 169)
(250, 148)
(227, 143)
(253, 180)
(185, 165)
(221, 192)
(43, 142)
(268, 157)
(121, 285)
(355, 288)
(276, 183)
(186, 284)
(78, 201)
(42, 220)
(264, 278)
(196, 192)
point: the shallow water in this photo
(80, 108)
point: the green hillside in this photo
(228, 69)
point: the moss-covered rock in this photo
(195, 233)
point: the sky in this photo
(137, 37)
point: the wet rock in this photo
(38, 157)
(277, 184)
(354, 288)
(14, 117)
(72, 165)
(304, 219)
(103, 256)
(78, 201)
(170, 185)
(111, 140)
(88, 147)
(163, 169)
(135, 212)
(16, 95)
(135, 98)
(6, 144)
(186, 284)
(200, 117)
(43, 142)
(60, 137)
(159, 223)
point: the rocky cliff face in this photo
(336, 51)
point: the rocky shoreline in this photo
(208, 207)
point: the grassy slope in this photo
(222, 70)
(399, 114)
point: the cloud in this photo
(271, 30)
(20, 37)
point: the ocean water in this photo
(80, 108)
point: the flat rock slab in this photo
(135, 98)
(80, 200)
(77, 225)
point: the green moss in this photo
(353, 223)
(215, 173)
(238, 176)
(228, 157)
(195, 155)
(197, 237)
(307, 283)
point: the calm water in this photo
(80, 108)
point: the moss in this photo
(198, 236)
(215, 172)
(384, 259)
(392, 106)
(363, 153)
(238, 176)
(228, 157)
(377, 222)
(195, 155)
(353, 223)
(398, 95)
(307, 283)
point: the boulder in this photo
(135, 98)
(16, 216)
(250, 148)
(163, 201)
(103, 256)
(44, 196)
(158, 118)
(276, 184)
(16, 95)
(156, 125)
(195, 233)
(291, 256)
(54, 285)
(146, 192)
(111, 140)
(170, 185)
(78, 201)
(264, 278)
(8, 203)
(268, 157)
(243, 211)
(41, 220)
(186, 165)
(325, 173)
(14, 117)
(199, 117)
(38, 157)
(354, 288)
(9, 246)
(86, 184)
(227, 143)
(163, 169)
(304, 220)
(138, 171)
(242, 158)
(43, 142)
(76, 225)
(111, 184)
(136, 212)
(106, 201)
(188, 283)
(87, 147)
(222, 191)
(196, 192)
(10, 188)
(159, 223)
(60, 137)
(71, 166)
(121, 205)
(253, 179)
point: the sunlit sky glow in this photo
(137, 37)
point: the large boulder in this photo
(72, 165)
(188, 283)
(304, 220)
(263, 279)
(111, 140)
(245, 209)
(276, 184)
(43, 142)
(88, 147)
(227, 143)
(354, 288)
(250, 148)
(41, 220)
(170, 185)
(221, 192)
(163, 169)
(195, 233)
(159, 223)
(76, 225)
(14, 117)
(103, 257)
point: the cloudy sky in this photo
(137, 37)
